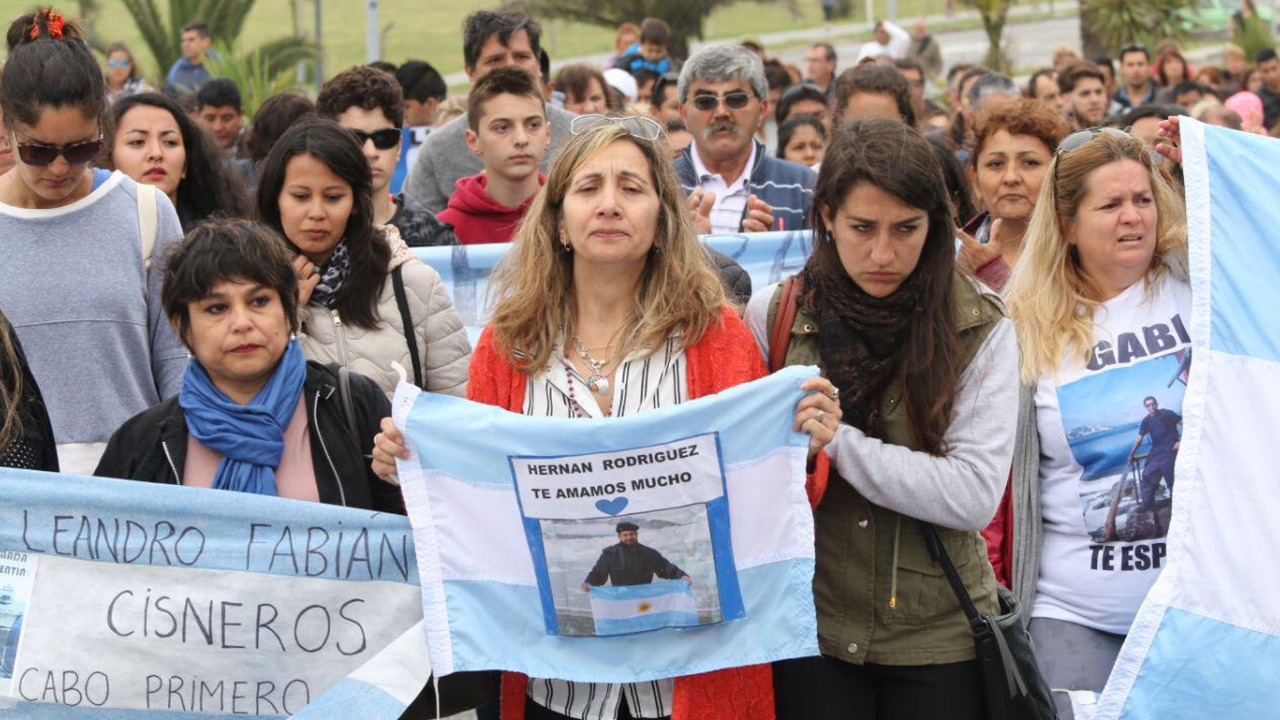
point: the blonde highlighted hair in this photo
(535, 306)
(1051, 299)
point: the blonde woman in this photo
(1100, 302)
(608, 307)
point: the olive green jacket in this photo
(880, 597)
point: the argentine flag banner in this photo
(123, 600)
(1206, 643)
(668, 543)
(635, 608)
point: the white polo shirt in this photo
(731, 200)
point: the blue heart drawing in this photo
(612, 507)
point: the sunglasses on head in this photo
(384, 139)
(1079, 139)
(41, 155)
(113, 63)
(638, 127)
(735, 100)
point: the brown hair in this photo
(875, 79)
(678, 290)
(575, 81)
(502, 81)
(10, 385)
(1075, 72)
(365, 87)
(896, 158)
(1021, 117)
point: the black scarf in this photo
(861, 338)
(332, 274)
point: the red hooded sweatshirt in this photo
(477, 218)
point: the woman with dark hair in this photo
(253, 415)
(584, 89)
(926, 367)
(122, 73)
(26, 437)
(154, 142)
(77, 245)
(1010, 161)
(1171, 68)
(802, 139)
(365, 304)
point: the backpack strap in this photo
(406, 318)
(147, 221)
(783, 319)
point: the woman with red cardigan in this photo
(608, 307)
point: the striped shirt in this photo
(731, 200)
(641, 383)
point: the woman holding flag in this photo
(609, 307)
(926, 365)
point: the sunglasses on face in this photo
(384, 139)
(735, 100)
(117, 63)
(40, 155)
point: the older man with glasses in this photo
(732, 183)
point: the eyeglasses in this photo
(117, 63)
(41, 155)
(735, 100)
(384, 139)
(1079, 139)
(638, 127)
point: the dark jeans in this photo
(534, 711)
(823, 688)
(1157, 467)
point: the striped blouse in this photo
(641, 383)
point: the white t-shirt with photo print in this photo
(1104, 543)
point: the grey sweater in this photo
(73, 284)
(444, 158)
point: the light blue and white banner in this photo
(1206, 643)
(133, 600)
(656, 475)
(767, 258)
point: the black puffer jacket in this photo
(736, 281)
(33, 447)
(152, 445)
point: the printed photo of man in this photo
(630, 563)
(1162, 426)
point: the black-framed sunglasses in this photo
(41, 155)
(735, 100)
(638, 127)
(384, 139)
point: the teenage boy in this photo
(507, 129)
(367, 101)
(490, 40)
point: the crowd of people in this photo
(194, 298)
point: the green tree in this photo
(994, 14)
(1106, 25)
(259, 73)
(162, 32)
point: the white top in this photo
(731, 200)
(641, 383)
(1089, 417)
(899, 44)
(960, 489)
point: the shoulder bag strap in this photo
(406, 318)
(348, 407)
(147, 221)
(938, 552)
(784, 318)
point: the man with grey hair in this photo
(990, 88)
(733, 184)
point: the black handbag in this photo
(1012, 684)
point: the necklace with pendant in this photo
(598, 382)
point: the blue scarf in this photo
(250, 437)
